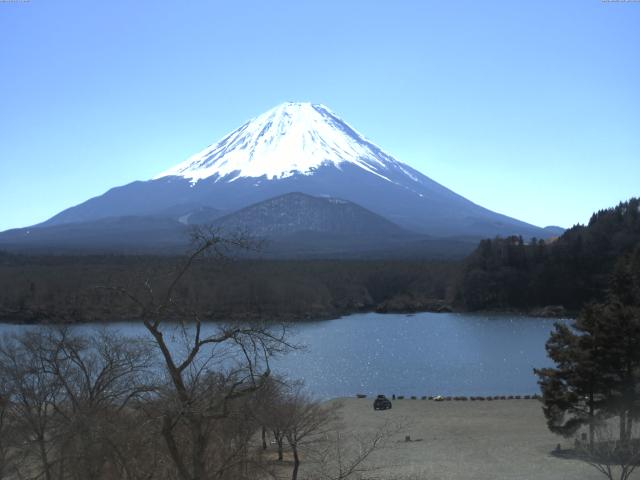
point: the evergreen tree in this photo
(571, 392)
(597, 373)
(571, 271)
(615, 331)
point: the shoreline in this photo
(449, 398)
(566, 315)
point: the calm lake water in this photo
(421, 354)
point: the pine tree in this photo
(571, 392)
(597, 373)
(615, 329)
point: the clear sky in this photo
(529, 108)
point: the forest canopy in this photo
(570, 271)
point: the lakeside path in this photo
(495, 440)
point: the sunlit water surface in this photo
(421, 354)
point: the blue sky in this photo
(531, 109)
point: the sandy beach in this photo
(480, 440)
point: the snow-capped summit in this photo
(292, 138)
(294, 147)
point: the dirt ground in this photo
(503, 439)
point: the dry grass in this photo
(505, 439)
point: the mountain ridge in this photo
(294, 225)
(294, 212)
(299, 147)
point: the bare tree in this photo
(65, 399)
(268, 411)
(214, 367)
(33, 394)
(613, 458)
(348, 455)
(5, 428)
(306, 421)
(100, 376)
(180, 405)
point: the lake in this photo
(421, 354)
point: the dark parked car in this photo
(381, 403)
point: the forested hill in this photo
(503, 273)
(506, 273)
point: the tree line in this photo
(502, 273)
(51, 289)
(573, 270)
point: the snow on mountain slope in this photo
(299, 147)
(292, 138)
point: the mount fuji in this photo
(293, 148)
